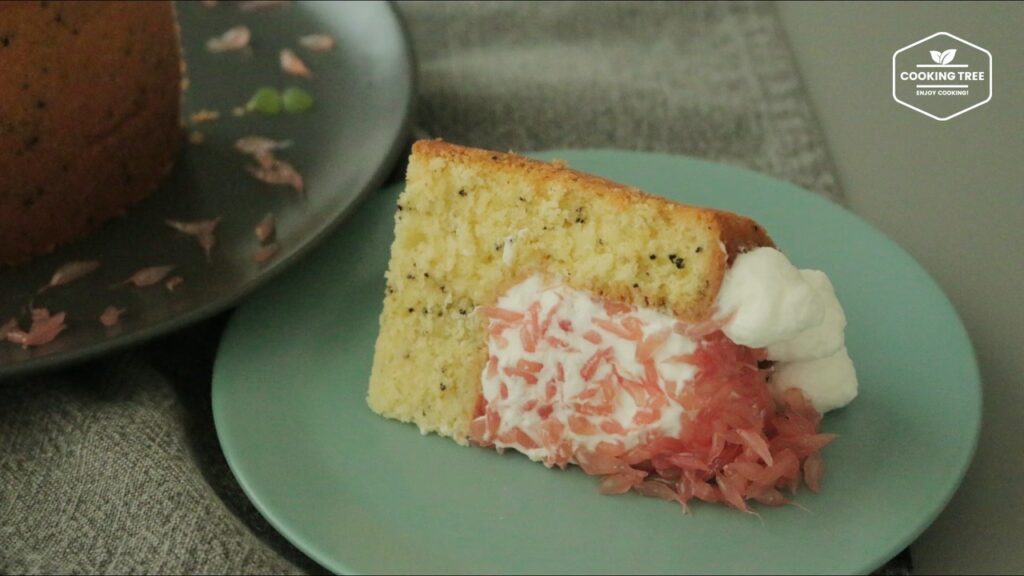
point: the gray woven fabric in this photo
(705, 79)
(114, 466)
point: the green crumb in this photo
(296, 100)
(265, 101)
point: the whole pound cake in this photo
(669, 348)
(89, 116)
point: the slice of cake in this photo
(89, 119)
(577, 320)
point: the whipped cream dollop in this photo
(819, 340)
(766, 302)
(829, 382)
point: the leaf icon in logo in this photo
(948, 55)
(936, 56)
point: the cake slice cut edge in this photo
(473, 223)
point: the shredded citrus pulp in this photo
(733, 442)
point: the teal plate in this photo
(362, 494)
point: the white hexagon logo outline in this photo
(929, 114)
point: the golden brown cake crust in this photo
(89, 116)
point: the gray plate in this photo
(344, 148)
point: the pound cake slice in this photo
(580, 321)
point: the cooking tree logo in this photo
(943, 58)
(942, 76)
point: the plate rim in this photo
(883, 555)
(273, 269)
